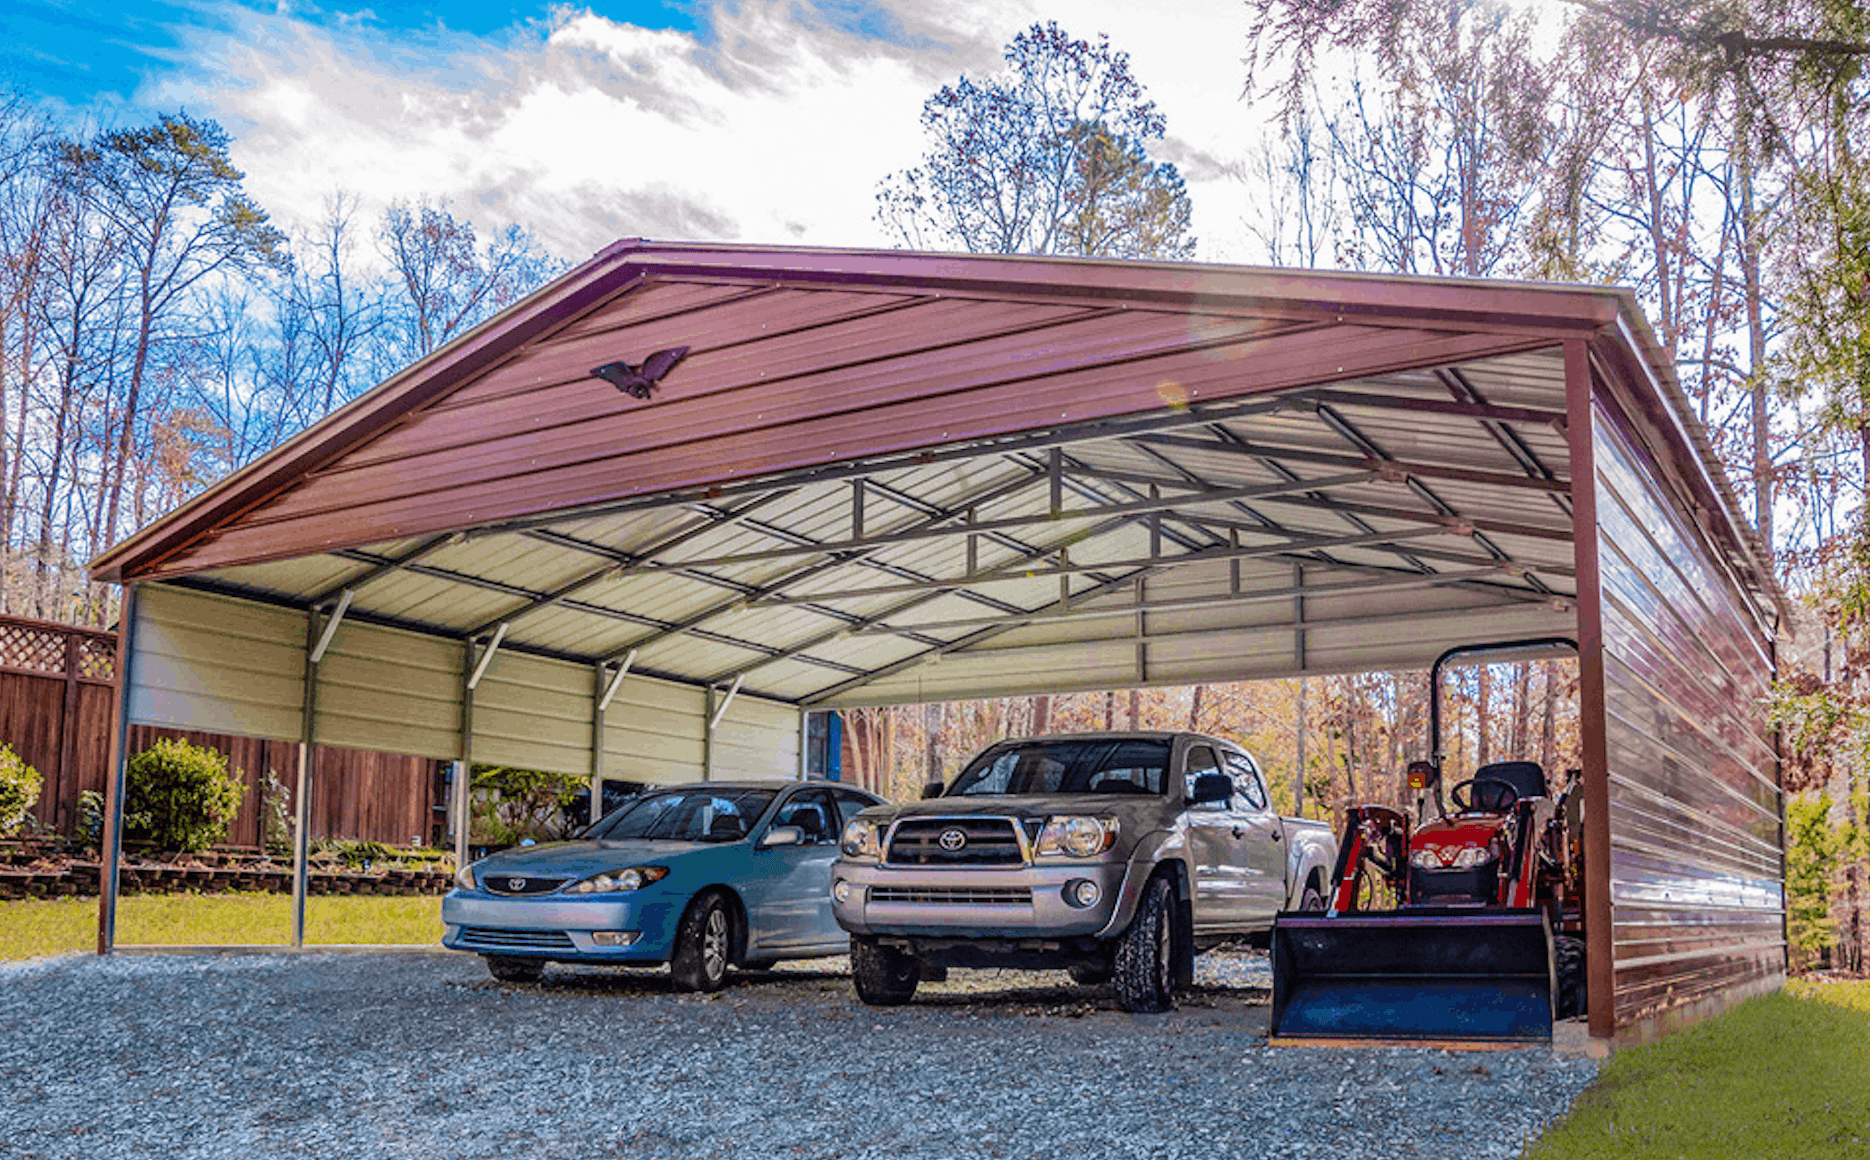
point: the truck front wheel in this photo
(884, 976)
(1145, 963)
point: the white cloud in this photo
(774, 126)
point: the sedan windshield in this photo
(693, 815)
(1042, 767)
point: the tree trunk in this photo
(1041, 715)
(1194, 709)
(1136, 709)
(931, 742)
(1483, 710)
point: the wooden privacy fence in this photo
(58, 704)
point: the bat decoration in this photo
(639, 382)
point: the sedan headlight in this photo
(863, 838)
(616, 881)
(1080, 837)
(464, 877)
(1427, 858)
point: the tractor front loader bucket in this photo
(1439, 975)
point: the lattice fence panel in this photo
(22, 647)
(97, 658)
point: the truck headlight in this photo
(863, 838)
(1427, 858)
(617, 881)
(1078, 836)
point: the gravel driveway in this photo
(368, 1055)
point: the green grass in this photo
(63, 926)
(1783, 1076)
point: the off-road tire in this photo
(884, 976)
(511, 970)
(1145, 962)
(1090, 974)
(1568, 975)
(704, 945)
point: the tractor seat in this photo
(1526, 778)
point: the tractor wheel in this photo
(511, 970)
(1568, 961)
(1145, 966)
(883, 976)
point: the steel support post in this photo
(707, 737)
(112, 838)
(1600, 974)
(464, 768)
(598, 704)
(302, 792)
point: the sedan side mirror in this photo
(782, 836)
(931, 790)
(1210, 787)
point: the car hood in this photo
(1124, 806)
(577, 859)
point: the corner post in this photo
(114, 779)
(1600, 973)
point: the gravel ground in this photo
(365, 1055)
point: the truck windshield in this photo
(1041, 767)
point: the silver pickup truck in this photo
(1115, 856)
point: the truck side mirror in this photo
(931, 790)
(1210, 787)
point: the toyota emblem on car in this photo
(952, 840)
(516, 884)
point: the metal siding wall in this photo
(757, 738)
(391, 691)
(218, 665)
(655, 732)
(534, 713)
(1696, 894)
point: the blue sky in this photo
(89, 57)
(766, 121)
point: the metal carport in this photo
(879, 477)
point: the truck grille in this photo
(503, 883)
(954, 896)
(500, 939)
(983, 842)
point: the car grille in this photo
(528, 884)
(501, 939)
(988, 842)
(955, 896)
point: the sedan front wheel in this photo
(703, 945)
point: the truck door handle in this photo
(1277, 835)
(1238, 832)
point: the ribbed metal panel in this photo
(1695, 874)
(391, 691)
(218, 665)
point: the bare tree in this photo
(1049, 157)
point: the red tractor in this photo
(1463, 926)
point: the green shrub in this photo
(180, 796)
(91, 817)
(19, 789)
(1813, 854)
